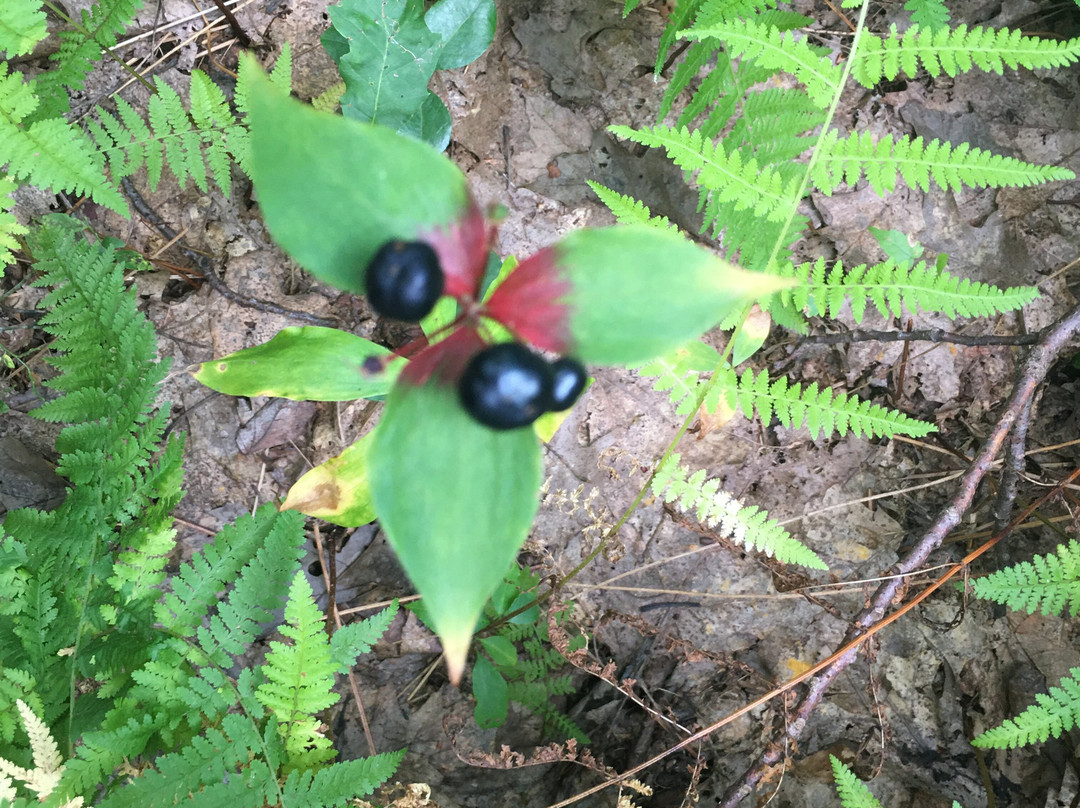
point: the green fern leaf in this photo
(928, 14)
(207, 767)
(776, 50)
(22, 26)
(49, 153)
(821, 412)
(728, 176)
(628, 210)
(677, 373)
(954, 51)
(1045, 584)
(195, 588)
(853, 792)
(10, 229)
(354, 639)
(751, 527)
(892, 288)
(951, 168)
(339, 784)
(300, 680)
(1054, 713)
(80, 49)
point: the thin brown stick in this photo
(923, 335)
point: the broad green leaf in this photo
(752, 335)
(456, 500)
(491, 694)
(466, 28)
(624, 294)
(386, 55)
(332, 191)
(502, 651)
(897, 246)
(638, 292)
(304, 363)
(337, 490)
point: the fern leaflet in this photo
(80, 48)
(749, 526)
(955, 50)
(49, 153)
(852, 791)
(1054, 713)
(1045, 584)
(728, 175)
(776, 50)
(300, 680)
(628, 210)
(10, 229)
(22, 26)
(339, 784)
(354, 639)
(929, 14)
(917, 162)
(892, 288)
(821, 412)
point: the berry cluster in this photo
(504, 386)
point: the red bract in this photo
(529, 302)
(462, 249)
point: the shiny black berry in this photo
(404, 280)
(506, 386)
(568, 378)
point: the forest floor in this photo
(703, 627)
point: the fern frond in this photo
(750, 527)
(930, 15)
(677, 373)
(1046, 584)
(340, 783)
(22, 26)
(10, 229)
(300, 680)
(80, 49)
(919, 163)
(48, 153)
(893, 288)
(195, 588)
(1054, 713)
(48, 765)
(207, 767)
(774, 49)
(727, 175)
(628, 210)
(354, 639)
(852, 791)
(953, 51)
(821, 412)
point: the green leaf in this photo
(490, 691)
(897, 247)
(502, 651)
(332, 191)
(337, 490)
(354, 639)
(623, 294)
(466, 28)
(304, 363)
(22, 26)
(456, 500)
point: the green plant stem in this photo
(59, 12)
(805, 184)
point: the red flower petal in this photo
(530, 303)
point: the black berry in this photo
(404, 280)
(568, 378)
(506, 386)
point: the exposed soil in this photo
(702, 626)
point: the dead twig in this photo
(205, 266)
(922, 335)
(1034, 370)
